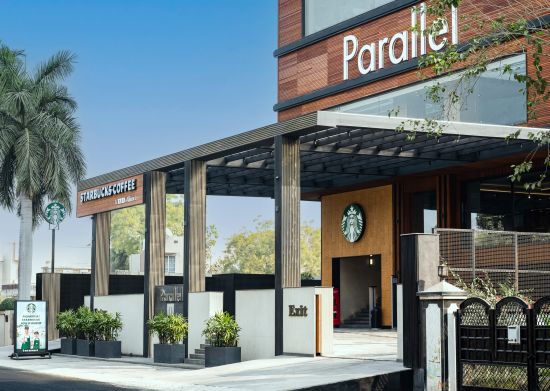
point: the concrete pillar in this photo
(287, 226)
(438, 360)
(155, 239)
(51, 287)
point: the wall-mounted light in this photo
(371, 260)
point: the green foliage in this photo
(107, 325)
(67, 324)
(253, 251)
(40, 154)
(98, 325)
(485, 289)
(127, 235)
(128, 230)
(170, 329)
(487, 35)
(8, 304)
(222, 330)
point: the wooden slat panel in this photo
(287, 210)
(195, 225)
(377, 239)
(102, 253)
(51, 283)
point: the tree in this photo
(128, 230)
(253, 251)
(519, 25)
(40, 155)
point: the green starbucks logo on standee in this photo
(55, 213)
(31, 308)
(353, 223)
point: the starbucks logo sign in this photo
(353, 223)
(31, 308)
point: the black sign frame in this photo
(19, 352)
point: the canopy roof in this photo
(337, 150)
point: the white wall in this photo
(299, 331)
(327, 325)
(6, 321)
(255, 313)
(130, 308)
(202, 305)
(399, 322)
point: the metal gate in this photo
(488, 356)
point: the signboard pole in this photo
(53, 250)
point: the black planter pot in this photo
(107, 349)
(216, 356)
(84, 348)
(169, 354)
(68, 345)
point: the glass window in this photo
(169, 264)
(320, 14)
(494, 98)
(497, 204)
(423, 212)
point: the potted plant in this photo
(67, 326)
(108, 326)
(86, 331)
(222, 332)
(171, 331)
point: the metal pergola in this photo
(337, 150)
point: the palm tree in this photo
(40, 155)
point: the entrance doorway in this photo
(357, 282)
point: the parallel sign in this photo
(110, 196)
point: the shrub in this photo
(67, 324)
(98, 325)
(8, 304)
(222, 330)
(107, 325)
(170, 329)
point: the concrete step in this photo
(203, 345)
(355, 325)
(197, 356)
(194, 361)
(199, 351)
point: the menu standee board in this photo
(30, 329)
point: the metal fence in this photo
(488, 359)
(519, 258)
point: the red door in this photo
(336, 307)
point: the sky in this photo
(152, 77)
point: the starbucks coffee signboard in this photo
(110, 196)
(31, 328)
(353, 223)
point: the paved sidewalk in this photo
(365, 344)
(281, 373)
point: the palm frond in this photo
(56, 68)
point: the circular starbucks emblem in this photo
(31, 308)
(353, 223)
(55, 213)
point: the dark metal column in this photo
(155, 240)
(93, 266)
(287, 226)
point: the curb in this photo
(128, 361)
